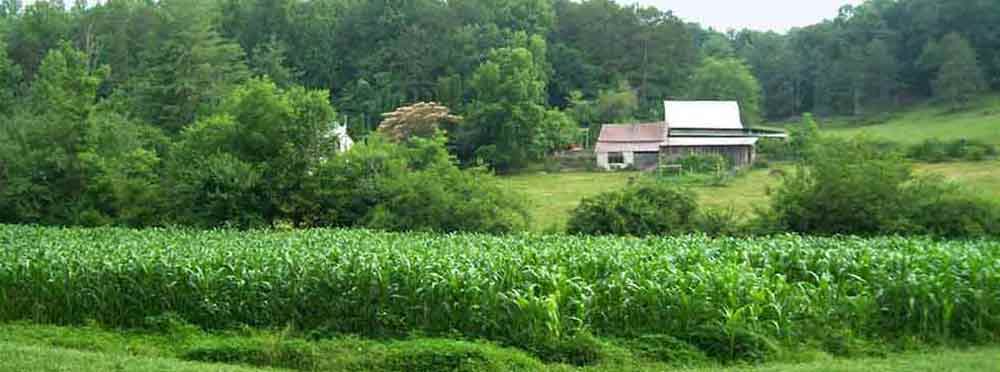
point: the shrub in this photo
(775, 149)
(704, 163)
(854, 187)
(720, 222)
(665, 349)
(292, 354)
(846, 187)
(650, 208)
(414, 186)
(946, 209)
(934, 150)
(729, 345)
(451, 356)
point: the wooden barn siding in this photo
(740, 156)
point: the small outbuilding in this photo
(689, 127)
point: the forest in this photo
(133, 112)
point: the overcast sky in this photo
(775, 15)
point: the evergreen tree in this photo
(268, 59)
(190, 68)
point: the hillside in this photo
(925, 121)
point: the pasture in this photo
(552, 196)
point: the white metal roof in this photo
(703, 114)
(711, 141)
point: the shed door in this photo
(647, 160)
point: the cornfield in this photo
(522, 290)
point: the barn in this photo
(689, 127)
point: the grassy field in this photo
(554, 195)
(25, 347)
(925, 121)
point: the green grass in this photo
(17, 358)
(27, 347)
(554, 195)
(926, 121)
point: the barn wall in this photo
(739, 156)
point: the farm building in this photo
(689, 127)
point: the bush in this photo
(650, 208)
(846, 187)
(453, 356)
(940, 208)
(665, 349)
(292, 354)
(720, 222)
(414, 186)
(701, 163)
(855, 187)
(935, 151)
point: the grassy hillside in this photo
(926, 121)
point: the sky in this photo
(762, 15)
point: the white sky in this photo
(763, 15)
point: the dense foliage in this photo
(649, 208)
(857, 187)
(731, 298)
(875, 55)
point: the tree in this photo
(245, 164)
(728, 79)
(9, 8)
(880, 74)
(188, 69)
(509, 91)
(803, 137)
(10, 77)
(268, 59)
(421, 119)
(66, 160)
(959, 78)
(39, 28)
(556, 132)
(617, 105)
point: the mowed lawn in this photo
(552, 196)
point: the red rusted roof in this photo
(646, 132)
